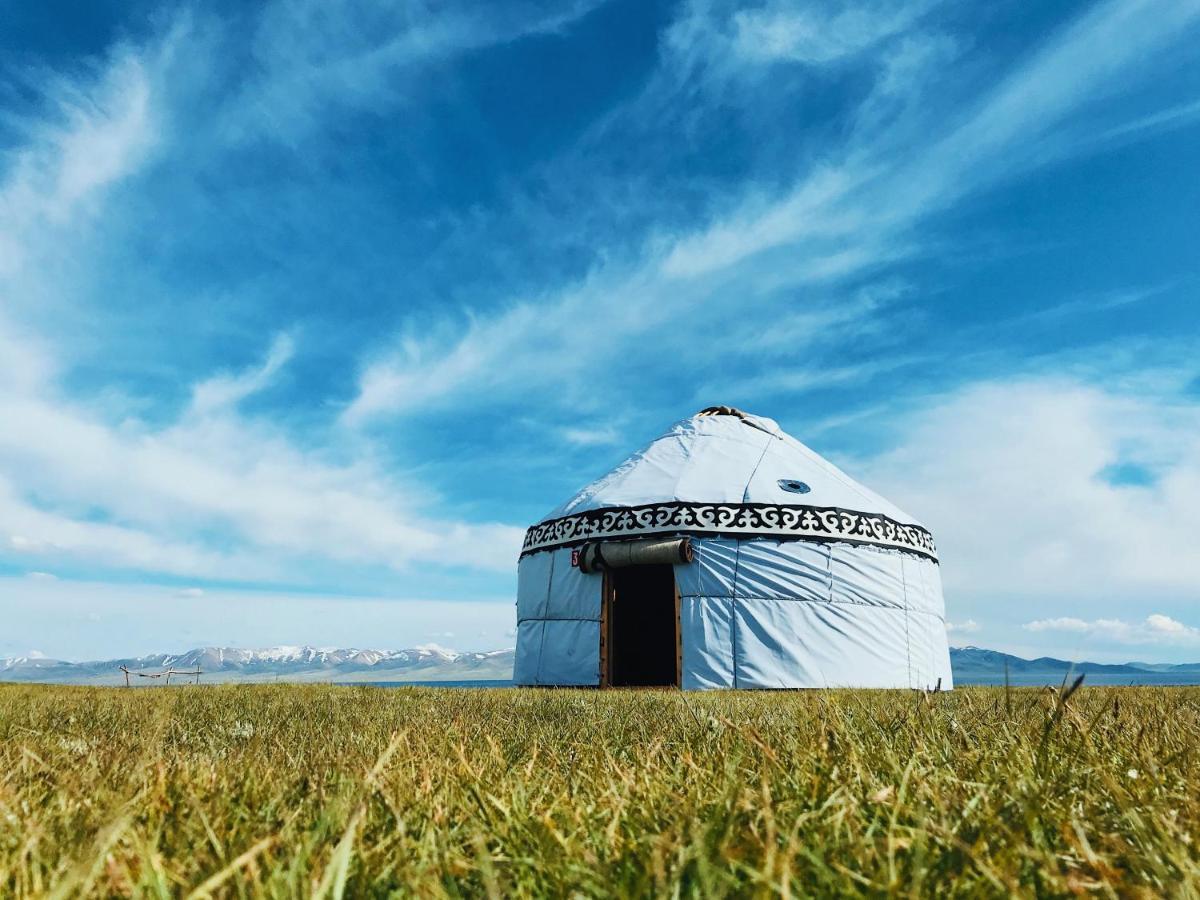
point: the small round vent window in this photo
(793, 486)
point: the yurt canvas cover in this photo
(799, 576)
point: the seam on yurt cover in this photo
(829, 570)
(737, 555)
(792, 599)
(733, 599)
(907, 641)
(754, 471)
(733, 642)
(546, 608)
(837, 474)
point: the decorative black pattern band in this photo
(817, 523)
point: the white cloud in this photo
(189, 593)
(314, 57)
(1009, 476)
(967, 626)
(81, 481)
(57, 537)
(1154, 629)
(820, 35)
(591, 437)
(92, 134)
(224, 391)
(41, 576)
(61, 618)
(849, 214)
(1062, 623)
(160, 485)
(881, 188)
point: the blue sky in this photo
(308, 308)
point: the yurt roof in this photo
(740, 465)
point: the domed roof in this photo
(725, 471)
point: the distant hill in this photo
(971, 665)
(228, 664)
(977, 665)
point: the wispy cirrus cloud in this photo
(849, 215)
(86, 136)
(591, 437)
(210, 492)
(224, 391)
(780, 31)
(317, 58)
(160, 488)
(223, 242)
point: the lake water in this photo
(1097, 679)
(478, 683)
(1017, 680)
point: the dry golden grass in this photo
(297, 791)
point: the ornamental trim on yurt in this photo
(787, 522)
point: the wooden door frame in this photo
(608, 595)
(606, 598)
(678, 636)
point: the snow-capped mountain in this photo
(427, 662)
(431, 663)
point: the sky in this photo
(308, 308)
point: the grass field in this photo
(296, 791)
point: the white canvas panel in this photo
(711, 571)
(786, 459)
(721, 459)
(940, 653)
(718, 470)
(929, 651)
(865, 575)
(922, 585)
(533, 585)
(724, 455)
(573, 595)
(790, 644)
(706, 632)
(529, 648)
(920, 660)
(797, 570)
(935, 603)
(570, 653)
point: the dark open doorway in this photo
(643, 627)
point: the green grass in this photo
(296, 791)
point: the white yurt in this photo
(726, 554)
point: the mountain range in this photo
(431, 663)
(977, 665)
(228, 664)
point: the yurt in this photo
(726, 554)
